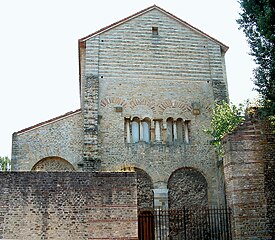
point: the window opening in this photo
(186, 131)
(176, 129)
(157, 130)
(155, 31)
(146, 131)
(179, 125)
(170, 130)
(135, 131)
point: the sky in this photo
(39, 52)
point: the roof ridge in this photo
(117, 23)
(48, 121)
(224, 47)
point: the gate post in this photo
(161, 198)
(162, 216)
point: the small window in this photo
(155, 31)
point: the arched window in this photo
(146, 130)
(135, 130)
(170, 130)
(179, 125)
(175, 130)
(186, 131)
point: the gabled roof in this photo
(56, 119)
(154, 7)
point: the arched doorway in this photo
(53, 164)
(145, 202)
(187, 193)
(187, 188)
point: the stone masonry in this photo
(147, 86)
(153, 77)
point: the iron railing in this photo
(186, 224)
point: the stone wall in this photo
(187, 188)
(60, 137)
(73, 205)
(145, 196)
(249, 177)
(153, 78)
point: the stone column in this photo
(128, 133)
(161, 198)
(161, 202)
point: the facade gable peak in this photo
(224, 48)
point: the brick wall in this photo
(249, 177)
(74, 205)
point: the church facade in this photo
(147, 87)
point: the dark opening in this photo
(155, 31)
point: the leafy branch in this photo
(5, 164)
(225, 118)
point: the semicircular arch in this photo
(53, 164)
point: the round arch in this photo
(187, 187)
(53, 164)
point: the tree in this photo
(257, 20)
(5, 164)
(225, 118)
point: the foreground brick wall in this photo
(72, 205)
(249, 177)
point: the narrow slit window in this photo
(155, 31)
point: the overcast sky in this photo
(39, 52)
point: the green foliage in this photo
(257, 20)
(5, 163)
(225, 118)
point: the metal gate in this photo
(187, 224)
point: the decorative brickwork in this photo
(66, 206)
